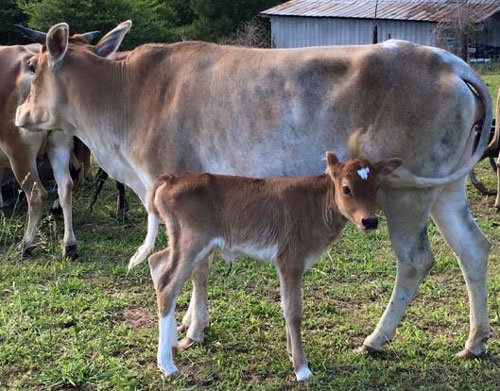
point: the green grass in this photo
(90, 325)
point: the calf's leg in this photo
(196, 319)
(407, 214)
(291, 301)
(169, 269)
(455, 222)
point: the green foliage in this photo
(150, 17)
(91, 325)
(153, 20)
(217, 18)
(10, 14)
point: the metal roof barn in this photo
(299, 23)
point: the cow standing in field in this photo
(196, 106)
(20, 148)
(287, 221)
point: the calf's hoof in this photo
(168, 369)
(303, 374)
(182, 328)
(70, 252)
(186, 343)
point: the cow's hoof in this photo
(26, 250)
(366, 349)
(468, 354)
(70, 252)
(168, 369)
(303, 374)
(186, 343)
(56, 209)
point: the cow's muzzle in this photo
(26, 120)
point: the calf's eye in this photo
(346, 190)
(31, 67)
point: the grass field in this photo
(90, 325)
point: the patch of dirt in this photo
(138, 317)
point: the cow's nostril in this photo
(370, 223)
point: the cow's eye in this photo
(376, 190)
(346, 190)
(31, 67)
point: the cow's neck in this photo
(101, 118)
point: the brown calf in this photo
(287, 221)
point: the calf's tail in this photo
(153, 222)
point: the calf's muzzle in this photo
(370, 223)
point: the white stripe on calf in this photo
(303, 373)
(167, 334)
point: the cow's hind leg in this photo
(455, 222)
(59, 153)
(497, 200)
(407, 214)
(170, 269)
(196, 319)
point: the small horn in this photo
(90, 36)
(34, 35)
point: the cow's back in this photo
(206, 106)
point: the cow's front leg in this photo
(1, 179)
(59, 156)
(196, 319)
(407, 216)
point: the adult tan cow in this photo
(19, 148)
(231, 110)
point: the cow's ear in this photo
(110, 43)
(331, 163)
(385, 167)
(57, 44)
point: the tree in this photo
(10, 14)
(218, 18)
(458, 30)
(150, 17)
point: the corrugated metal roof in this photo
(416, 10)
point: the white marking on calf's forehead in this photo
(363, 172)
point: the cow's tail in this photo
(493, 145)
(153, 223)
(404, 178)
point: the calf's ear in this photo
(385, 167)
(57, 44)
(331, 162)
(110, 43)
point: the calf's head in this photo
(48, 105)
(356, 183)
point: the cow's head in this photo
(356, 184)
(47, 105)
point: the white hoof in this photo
(303, 374)
(168, 369)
